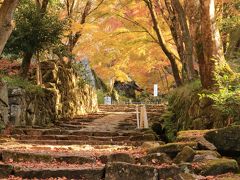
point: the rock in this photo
(208, 152)
(206, 155)
(215, 167)
(120, 171)
(5, 170)
(151, 144)
(200, 158)
(169, 172)
(190, 135)
(173, 148)
(187, 176)
(92, 173)
(186, 155)
(144, 137)
(120, 157)
(225, 139)
(155, 158)
(206, 145)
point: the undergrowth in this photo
(16, 81)
(227, 98)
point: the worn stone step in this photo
(71, 137)
(126, 171)
(76, 142)
(71, 126)
(69, 173)
(17, 156)
(58, 131)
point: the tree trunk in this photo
(6, 14)
(73, 38)
(162, 43)
(26, 64)
(213, 61)
(187, 41)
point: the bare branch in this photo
(139, 25)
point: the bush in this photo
(227, 98)
(100, 96)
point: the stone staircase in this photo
(108, 146)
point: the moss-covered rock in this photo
(151, 144)
(215, 167)
(186, 155)
(225, 139)
(173, 148)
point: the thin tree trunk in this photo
(73, 38)
(162, 43)
(6, 15)
(175, 29)
(161, 78)
(188, 44)
(166, 79)
(26, 64)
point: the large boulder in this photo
(225, 139)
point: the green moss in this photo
(15, 81)
(169, 125)
(217, 166)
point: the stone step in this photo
(17, 156)
(72, 137)
(76, 142)
(58, 131)
(69, 173)
(71, 127)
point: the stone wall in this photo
(73, 96)
(63, 96)
(31, 109)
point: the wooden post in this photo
(145, 117)
(141, 118)
(137, 111)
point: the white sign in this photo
(107, 100)
(155, 90)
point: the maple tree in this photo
(162, 39)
